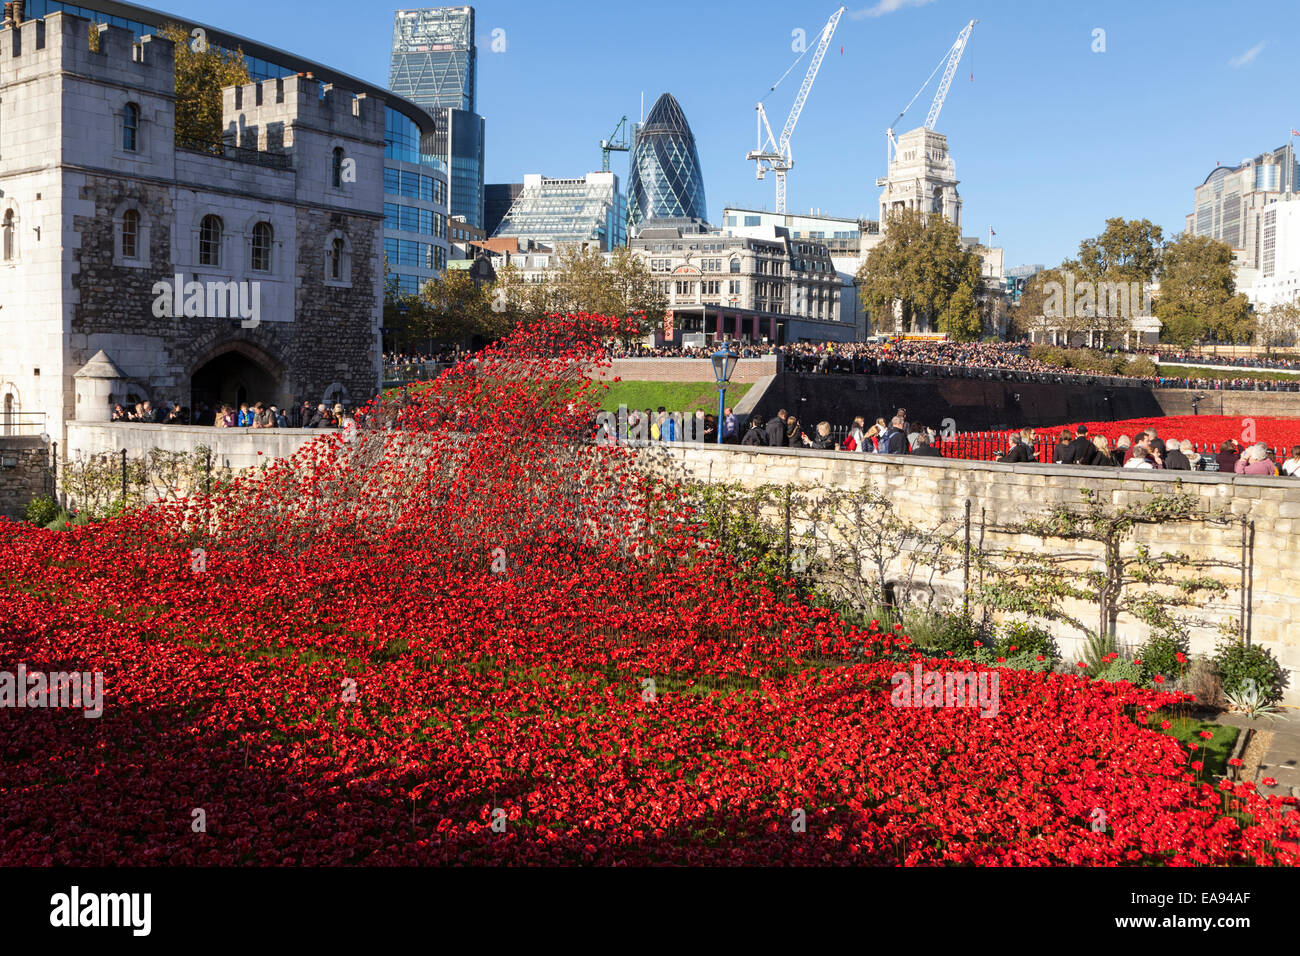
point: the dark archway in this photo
(232, 378)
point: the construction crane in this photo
(772, 153)
(951, 58)
(613, 144)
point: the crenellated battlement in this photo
(302, 100)
(61, 42)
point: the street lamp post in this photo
(724, 363)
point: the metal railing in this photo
(239, 154)
(22, 424)
(862, 365)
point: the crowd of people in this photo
(1179, 357)
(899, 435)
(257, 415)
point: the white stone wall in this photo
(931, 491)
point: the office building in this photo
(665, 184)
(459, 140)
(1229, 204)
(497, 200)
(434, 65)
(591, 209)
(434, 60)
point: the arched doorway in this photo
(232, 378)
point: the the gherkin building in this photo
(664, 182)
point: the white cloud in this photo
(1245, 59)
(886, 6)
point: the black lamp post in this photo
(724, 363)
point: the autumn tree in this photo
(202, 71)
(1278, 326)
(1198, 297)
(921, 270)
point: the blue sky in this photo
(1050, 138)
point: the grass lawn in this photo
(674, 396)
(1214, 752)
(1185, 371)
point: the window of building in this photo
(8, 239)
(411, 184)
(753, 220)
(735, 267)
(262, 239)
(686, 288)
(210, 241)
(729, 221)
(409, 216)
(131, 234)
(392, 181)
(392, 218)
(336, 168)
(336, 260)
(733, 287)
(130, 127)
(711, 287)
(439, 258)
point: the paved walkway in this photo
(1282, 759)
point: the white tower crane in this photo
(951, 58)
(775, 154)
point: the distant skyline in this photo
(1049, 139)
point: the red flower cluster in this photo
(467, 635)
(1207, 432)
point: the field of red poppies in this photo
(1207, 432)
(439, 643)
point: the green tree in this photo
(1278, 326)
(1198, 296)
(920, 270)
(201, 74)
(1128, 250)
(452, 308)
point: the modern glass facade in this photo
(497, 200)
(665, 181)
(433, 59)
(459, 138)
(569, 210)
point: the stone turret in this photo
(98, 382)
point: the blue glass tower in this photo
(665, 182)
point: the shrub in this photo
(1026, 639)
(41, 511)
(1118, 669)
(1159, 655)
(1141, 366)
(1238, 664)
(956, 632)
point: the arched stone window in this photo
(7, 237)
(263, 240)
(210, 241)
(338, 260)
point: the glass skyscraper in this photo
(665, 182)
(434, 64)
(434, 61)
